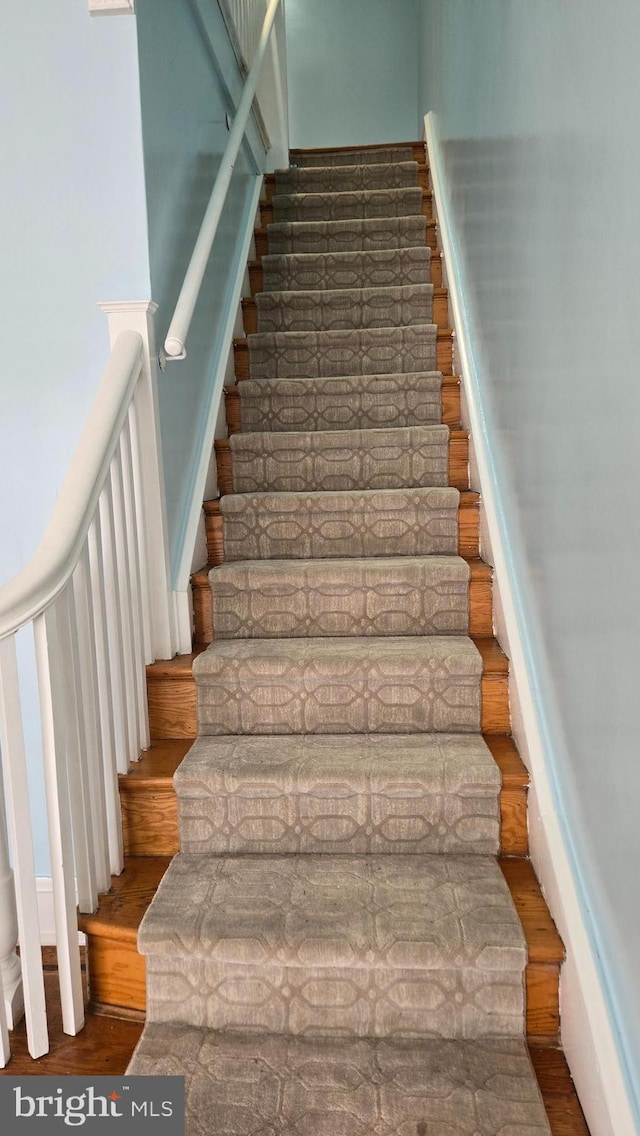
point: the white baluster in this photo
(52, 708)
(123, 715)
(76, 746)
(19, 812)
(5, 1048)
(93, 758)
(141, 535)
(137, 602)
(105, 700)
(126, 608)
(10, 969)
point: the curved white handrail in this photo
(49, 569)
(174, 344)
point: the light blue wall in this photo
(72, 233)
(537, 104)
(352, 71)
(185, 96)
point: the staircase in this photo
(351, 937)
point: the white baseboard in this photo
(588, 1036)
(44, 891)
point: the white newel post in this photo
(10, 969)
(137, 315)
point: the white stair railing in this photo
(85, 597)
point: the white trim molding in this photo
(111, 7)
(589, 1033)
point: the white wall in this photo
(72, 233)
(537, 105)
(352, 71)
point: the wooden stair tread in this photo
(543, 940)
(121, 909)
(156, 764)
(172, 668)
(515, 774)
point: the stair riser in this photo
(335, 1002)
(422, 180)
(267, 216)
(261, 240)
(480, 611)
(172, 707)
(448, 414)
(256, 272)
(468, 531)
(378, 152)
(443, 360)
(439, 314)
(456, 474)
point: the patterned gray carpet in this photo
(335, 950)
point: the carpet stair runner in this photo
(335, 949)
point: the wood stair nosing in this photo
(256, 272)
(458, 471)
(261, 241)
(450, 403)
(444, 355)
(440, 311)
(423, 180)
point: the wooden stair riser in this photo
(480, 604)
(444, 355)
(440, 311)
(267, 218)
(468, 530)
(118, 971)
(256, 273)
(423, 181)
(450, 413)
(458, 462)
(261, 242)
(172, 697)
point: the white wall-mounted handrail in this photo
(49, 569)
(179, 327)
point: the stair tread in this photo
(383, 457)
(424, 912)
(365, 1085)
(352, 176)
(121, 910)
(156, 765)
(307, 271)
(355, 235)
(398, 794)
(479, 569)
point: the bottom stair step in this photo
(359, 946)
(237, 1084)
